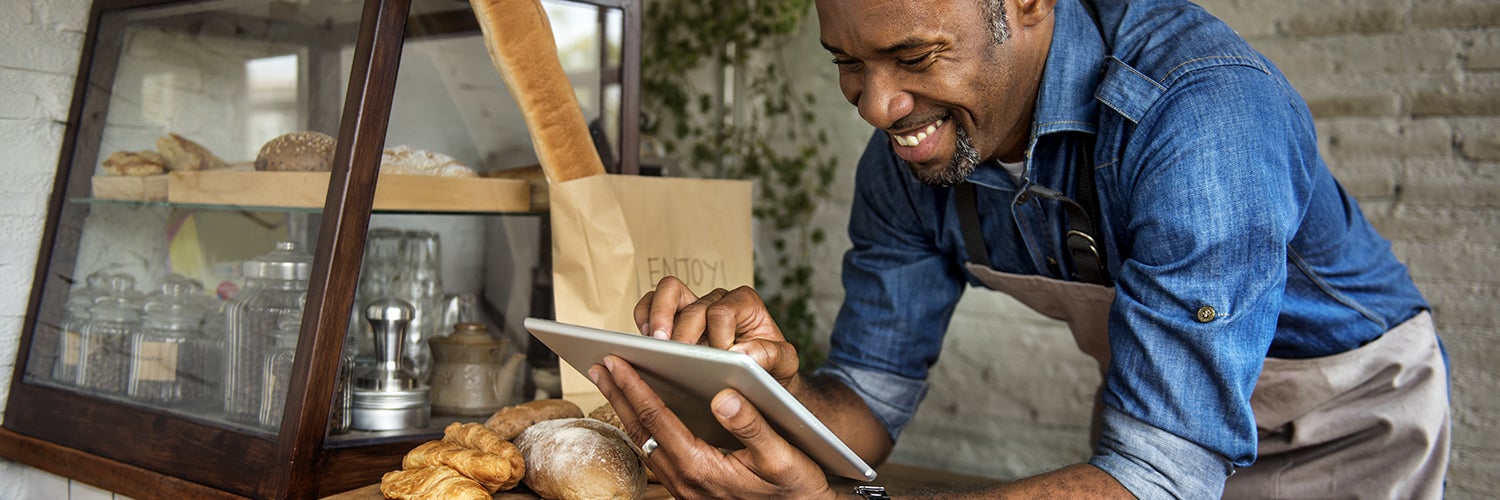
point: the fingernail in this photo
(729, 406)
(642, 327)
(594, 374)
(661, 334)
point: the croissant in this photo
(430, 483)
(477, 436)
(492, 472)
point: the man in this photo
(1136, 170)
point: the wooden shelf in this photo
(310, 190)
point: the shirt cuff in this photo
(1153, 463)
(892, 398)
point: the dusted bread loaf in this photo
(520, 43)
(581, 459)
(406, 160)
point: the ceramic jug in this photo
(472, 375)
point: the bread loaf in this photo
(430, 483)
(132, 163)
(511, 420)
(183, 155)
(306, 151)
(581, 459)
(493, 472)
(606, 413)
(406, 160)
(520, 43)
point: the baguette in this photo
(510, 421)
(519, 40)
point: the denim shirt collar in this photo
(1065, 100)
(1075, 65)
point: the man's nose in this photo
(883, 101)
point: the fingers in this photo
(642, 413)
(737, 316)
(656, 311)
(779, 359)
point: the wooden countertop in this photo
(896, 478)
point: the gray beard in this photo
(965, 160)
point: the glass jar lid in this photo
(287, 262)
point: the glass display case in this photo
(244, 186)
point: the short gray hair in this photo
(994, 12)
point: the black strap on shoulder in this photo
(968, 223)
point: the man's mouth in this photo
(912, 140)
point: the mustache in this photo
(910, 122)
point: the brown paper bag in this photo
(615, 236)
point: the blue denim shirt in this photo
(1212, 193)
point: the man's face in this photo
(931, 75)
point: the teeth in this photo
(914, 140)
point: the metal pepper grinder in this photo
(387, 396)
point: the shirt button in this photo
(1206, 314)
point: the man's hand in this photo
(768, 466)
(736, 320)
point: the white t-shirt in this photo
(1015, 169)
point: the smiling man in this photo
(1135, 170)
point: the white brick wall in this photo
(1407, 95)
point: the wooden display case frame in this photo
(146, 453)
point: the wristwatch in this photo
(871, 492)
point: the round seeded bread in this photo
(306, 151)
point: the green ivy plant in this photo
(722, 107)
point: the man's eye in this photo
(914, 61)
(846, 64)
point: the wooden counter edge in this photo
(116, 477)
(899, 479)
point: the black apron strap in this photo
(1088, 254)
(968, 223)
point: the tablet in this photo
(687, 377)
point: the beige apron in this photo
(1368, 423)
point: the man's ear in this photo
(1031, 12)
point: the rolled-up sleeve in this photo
(900, 289)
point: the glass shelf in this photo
(258, 208)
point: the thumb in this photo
(769, 456)
(742, 420)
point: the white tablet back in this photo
(687, 377)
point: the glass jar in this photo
(276, 377)
(378, 270)
(274, 284)
(172, 362)
(339, 415)
(113, 322)
(420, 283)
(75, 316)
